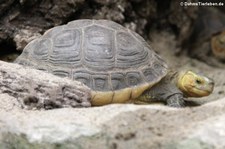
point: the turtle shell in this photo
(116, 63)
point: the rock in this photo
(33, 16)
(23, 37)
(182, 19)
(113, 126)
(36, 89)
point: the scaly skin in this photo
(176, 86)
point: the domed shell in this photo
(116, 63)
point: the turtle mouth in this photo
(195, 91)
(201, 92)
(206, 92)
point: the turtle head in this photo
(194, 85)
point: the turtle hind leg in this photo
(176, 100)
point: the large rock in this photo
(34, 89)
(115, 126)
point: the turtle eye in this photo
(198, 81)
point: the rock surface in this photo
(114, 126)
(37, 89)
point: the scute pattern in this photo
(118, 81)
(159, 66)
(61, 73)
(53, 32)
(129, 52)
(98, 48)
(84, 77)
(133, 78)
(65, 38)
(150, 74)
(40, 49)
(100, 82)
(102, 54)
(80, 23)
(67, 47)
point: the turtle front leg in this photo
(176, 100)
(165, 91)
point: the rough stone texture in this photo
(36, 89)
(34, 17)
(115, 126)
(24, 36)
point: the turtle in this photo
(208, 37)
(116, 63)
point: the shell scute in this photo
(101, 54)
(99, 47)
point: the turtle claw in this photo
(176, 105)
